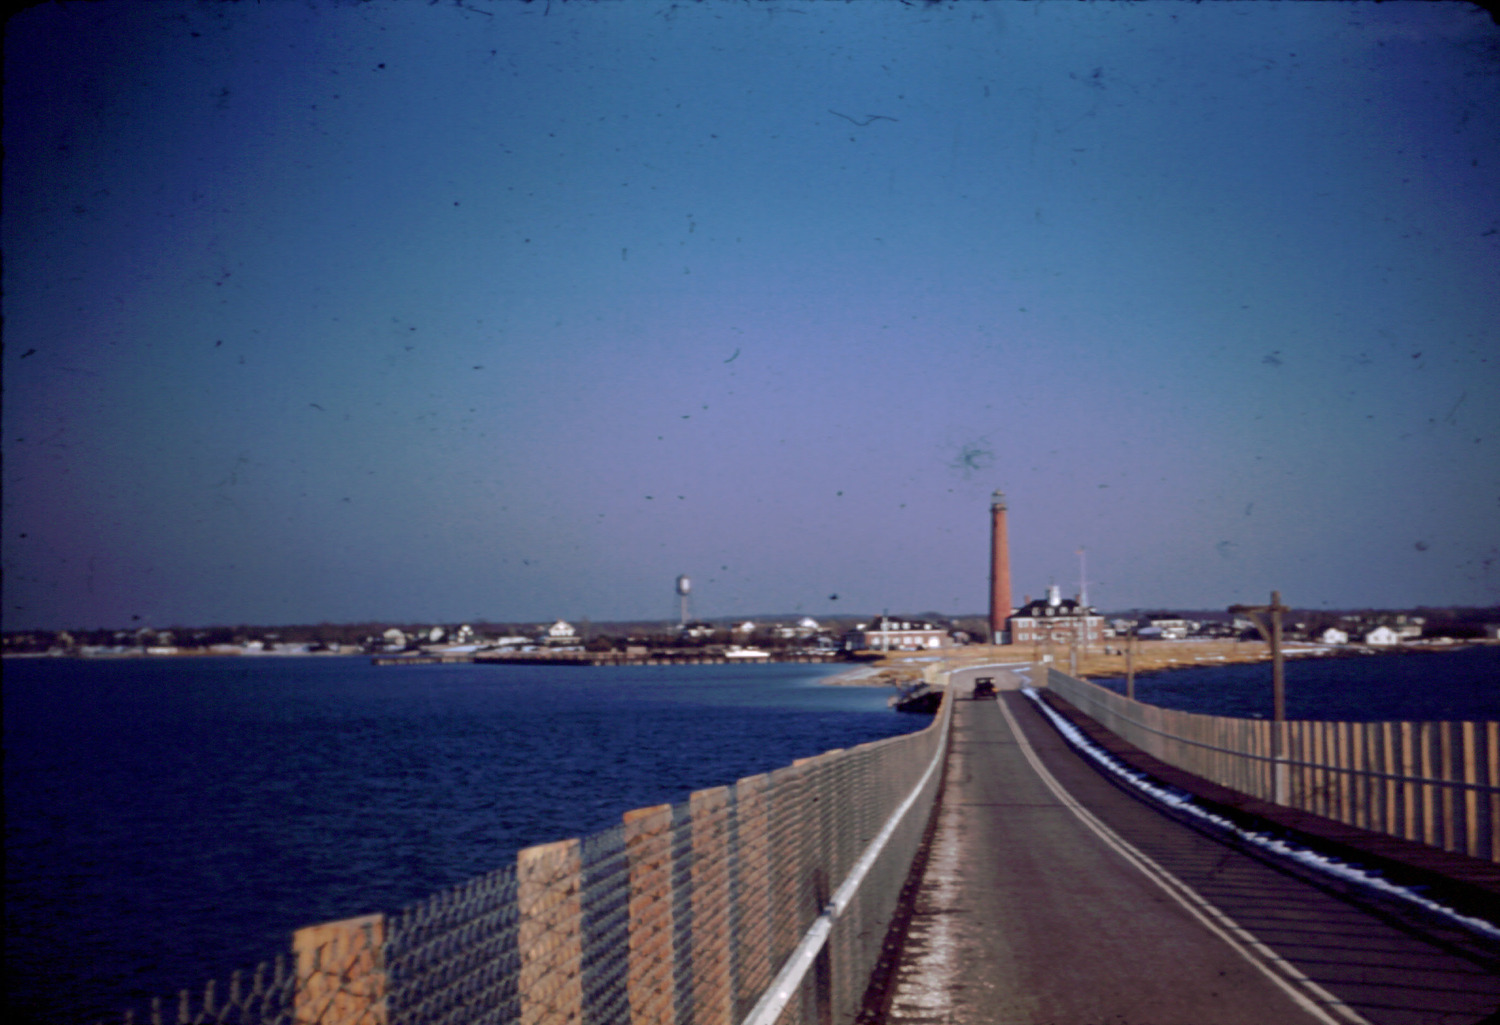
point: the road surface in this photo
(1051, 896)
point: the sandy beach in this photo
(885, 673)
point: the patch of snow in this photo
(1184, 801)
(926, 980)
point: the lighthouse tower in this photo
(1000, 606)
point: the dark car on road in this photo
(984, 689)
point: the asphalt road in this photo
(1053, 897)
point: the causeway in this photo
(1050, 895)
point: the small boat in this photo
(919, 698)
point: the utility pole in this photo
(1130, 665)
(1271, 631)
(1083, 602)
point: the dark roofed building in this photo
(1057, 620)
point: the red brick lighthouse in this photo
(1000, 606)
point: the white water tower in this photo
(684, 586)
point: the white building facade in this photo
(896, 635)
(1056, 620)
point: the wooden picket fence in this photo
(1437, 783)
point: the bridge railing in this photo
(762, 903)
(1434, 782)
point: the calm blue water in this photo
(1417, 686)
(170, 820)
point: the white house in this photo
(1333, 635)
(1382, 635)
(561, 635)
(1174, 629)
(895, 635)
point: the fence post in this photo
(788, 854)
(1492, 777)
(1445, 764)
(650, 986)
(1408, 787)
(713, 996)
(549, 885)
(1278, 762)
(1471, 797)
(341, 977)
(1389, 766)
(753, 939)
(811, 886)
(1366, 794)
(1429, 792)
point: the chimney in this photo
(1000, 607)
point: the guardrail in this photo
(1437, 783)
(762, 903)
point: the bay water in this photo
(170, 820)
(1414, 686)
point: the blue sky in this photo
(321, 311)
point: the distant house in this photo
(1173, 629)
(1055, 620)
(1333, 635)
(1382, 635)
(802, 629)
(886, 634)
(561, 635)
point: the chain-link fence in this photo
(705, 912)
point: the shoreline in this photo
(1151, 658)
(1292, 652)
(867, 675)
